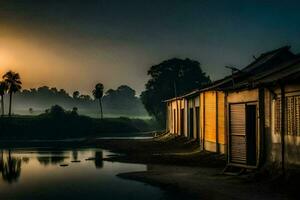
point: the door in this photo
(174, 121)
(237, 134)
(251, 127)
(182, 121)
(197, 123)
(191, 123)
(243, 133)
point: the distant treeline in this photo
(58, 123)
(122, 101)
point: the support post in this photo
(282, 89)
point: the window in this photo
(297, 115)
(292, 115)
(277, 116)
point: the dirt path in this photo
(203, 183)
(178, 164)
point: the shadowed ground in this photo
(174, 163)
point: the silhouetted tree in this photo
(57, 111)
(85, 97)
(121, 101)
(76, 94)
(14, 83)
(3, 89)
(31, 110)
(98, 94)
(74, 111)
(168, 79)
(126, 91)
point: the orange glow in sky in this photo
(72, 65)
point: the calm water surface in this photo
(69, 174)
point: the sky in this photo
(75, 44)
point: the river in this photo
(29, 174)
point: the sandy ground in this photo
(178, 164)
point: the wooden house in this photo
(201, 117)
(253, 115)
(254, 103)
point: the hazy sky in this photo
(74, 44)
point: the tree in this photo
(123, 100)
(98, 94)
(85, 97)
(74, 111)
(169, 79)
(57, 111)
(126, 91)
(14, 84)
(76, 94)
(3, 89)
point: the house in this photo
(176, 112)
(199, 115)
(252, 115)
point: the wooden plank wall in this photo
(210, 116)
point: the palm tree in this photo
(14, 83)
(98, 94)
(3, 89)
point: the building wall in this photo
(242, 96)
(213, 121)
(292, 137)
(193, 103)
(221, 118)
(211, 124)
(174, 117)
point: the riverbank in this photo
(178, 164)
(68, 125)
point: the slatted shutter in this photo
(238, 134)
(277, 116)
(297, 115)
(290, 115)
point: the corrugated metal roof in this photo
(255, 72)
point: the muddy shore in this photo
(178, 164)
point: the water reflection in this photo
(10, 167)
(52, 157)
(99, 159)
(1, 161)
(25, 159)
(75, 155)
(38, 173)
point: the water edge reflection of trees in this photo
(52, 157)
(99, 159)
(10, 167)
